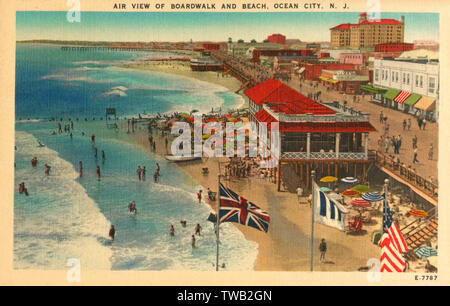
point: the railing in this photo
(407, 173)
(409, 230)
(324, 155)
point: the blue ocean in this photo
(66, 216)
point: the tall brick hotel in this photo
(367, 33)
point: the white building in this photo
(412, 85)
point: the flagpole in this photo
(386, 183)
(217, 226)
(313, 173)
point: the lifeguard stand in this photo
(111, 115)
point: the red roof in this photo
(327, 127)
(290, 101)
(382, 21)
(346, 26)
(264, 116)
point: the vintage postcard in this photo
(224, 142)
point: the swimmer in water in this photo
(139, 171)
(47, 169)
(172, 231)
(143, 173)
(112, 232)
(198, 228)
(183, 223)
(98, 172)
(81, 169)
(103, 156)
(95, 152)
(193, 241)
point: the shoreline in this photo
(286, 246)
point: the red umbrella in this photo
(190, 119)
(360, 203)
(350, 193)
(418, 213)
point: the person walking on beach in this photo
(143, 173)
(157, 168)
(139, 171)
(409, 124)
(299, 193)
(112, 232)
(415, 160)
(198, 229)
(172, 230)
(199, 196)
(323, 250)
(81, 169)
(34, 162)
(414, 142)
(424, 123)
(47, 169)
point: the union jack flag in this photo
(234, 208)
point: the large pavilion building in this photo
(329, 138)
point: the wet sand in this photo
(287, 245)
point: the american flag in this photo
(234, 208)
(392, 243)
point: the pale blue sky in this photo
(159, 26)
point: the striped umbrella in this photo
(372, 197)
(426, 251)
(350, 180)
(350, 193)
(418, 213)
(360, 203)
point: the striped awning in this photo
(426, 104)
(402, 97)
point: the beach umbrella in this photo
(190, 119)
(360, 203)
(361, 188)
(227, 116)
(426, 251)
(328, 179)
(206, 136)
(325, 189)
(418, 213)
(350, 193)
(372, 197)
(350, 180)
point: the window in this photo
(407, 79)
(417, 81)
(393, 75)
(421, 81)
(404, 78)
(396, 76)
(431, 85)
(376, 74)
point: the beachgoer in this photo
(103, 156)
(183, 223)
(404, 124)
(139, 171)
(21, 187)
(198, 228)
(193, 241)
(81, 169)
(95, 152)
(199, 196)
(143, 173)
(47, 169)
(93, 138)
(155, 177)
(323, 250)
(415, 160)
(299, 193)
(157, 168)
(34, 162)
(172, 231)
(409, 124)
(430, 152)
(112, 232)
(98, 173)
